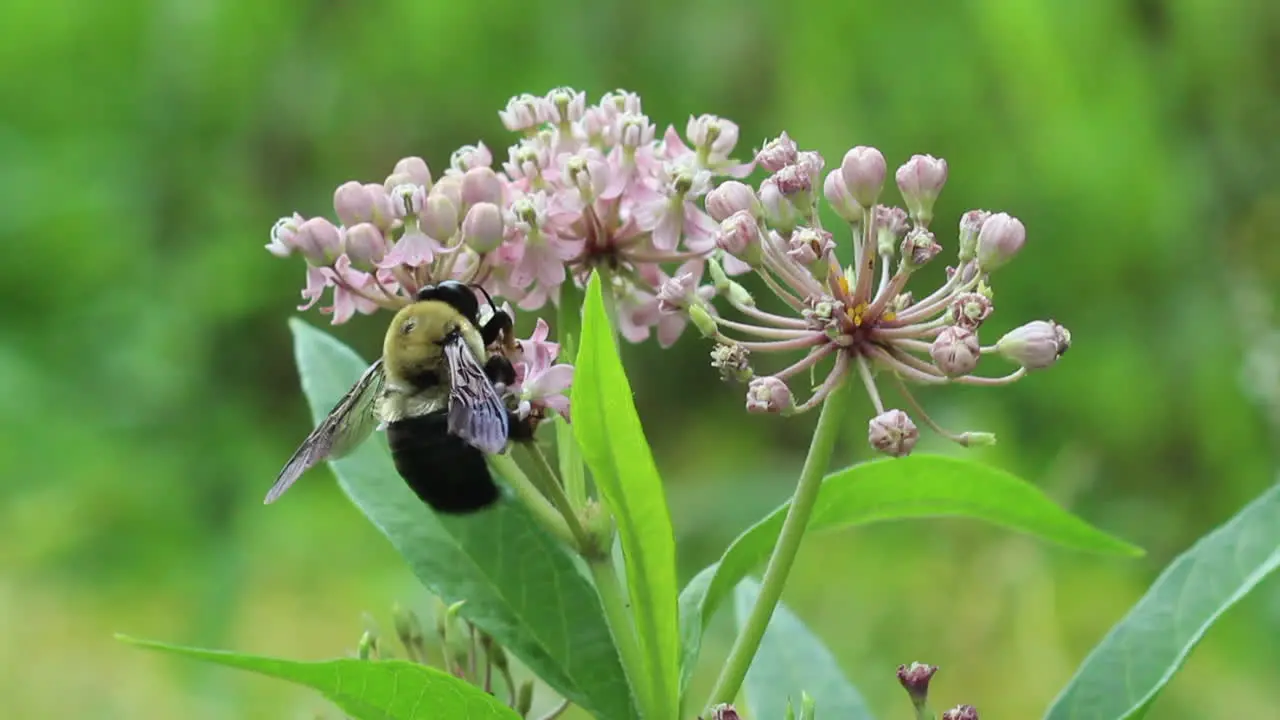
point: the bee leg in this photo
(519, 429)
(500, 325)
(499, 370)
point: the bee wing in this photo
(476, 413)
(348, 424)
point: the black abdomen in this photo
(441, 468)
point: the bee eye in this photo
(408, 326)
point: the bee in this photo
(437, 391)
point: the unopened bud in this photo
(892, 433)
(915, 680)
(891, 228)
(1036, 345)
(955, 351)
(837, 194)
(494, 652)
(864, 169)
(732, 197)
(737, 295)
(482, 228)
(1001, 237)
(795, 183)
(808, 706)
(367, 649)
(769, 395)
(920, 179)
(970, 225)
(524, 698)
(353, 203)
(450, 186)
(733, 361)
(364, 244)
(703, 321)
(779, 211)
(481, 184)
(415, 169)
(409, 630)
(407, 200)
(969, 310)
(919, 247)
(976, 439)
(739, 236)
(723, 711)
(961, 712)
(319, 241)
(440, 218)
(777, 153)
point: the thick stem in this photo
(549, 484)
(543, 510)
(784, 553)
(613, 599)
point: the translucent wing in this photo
(348, 424)
(476, 413)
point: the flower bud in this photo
(969, 310)
(676, 293)
(415, 169)
(367, 649)
(284, 236)
(407, 200)
(409, 630)
(976, 439)
(780, 213)
(808, 245)
(892, 433)
(920, 180)
(739, 236)
(524, 699)
(891, 228)
(482, 228)
(956, 351)
(919, 247)
(838, 197)
(795, 183)
(999, 240)
(732, 197)
(777, 153)
(737, 295)
(703, 321)
(319, 241)
(808, 706)
(384, 215)
(353, 203)
(723, 711)
(481, 184)
(364, 244)
(915, 680)
(961, 712)
(733, 362)
(440, 218)
(864, 169)
(768, 395)
(1036, 345)
(970, 225)
(810, 164)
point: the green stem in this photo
(543, 510)
(784, 553)
(550, 485)
(613, 598)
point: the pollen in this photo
(844, 284)
(856, 312)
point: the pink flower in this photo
(540, 384)
(674, 212)
(414, 249)
(352, 290)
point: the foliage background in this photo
(146, 147)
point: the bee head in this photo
(455, 294)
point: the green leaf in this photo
(520, 585)
(918, 486)
(568, 331)
(365, 689)
(791, 661)
(1126, 671)
(613, 444)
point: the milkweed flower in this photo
(860, 318)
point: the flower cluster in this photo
(915, 680)
(862, 315)
(596, 188)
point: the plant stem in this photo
(543, 510)
(613, 598)
(555, 492)
(784, 553)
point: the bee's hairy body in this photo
(435, 391)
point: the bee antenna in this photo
(484, 292)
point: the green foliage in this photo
(792, 661)
(1133, 663)
(918, 486)
(613, 444)
(519, 584)
(366, 689)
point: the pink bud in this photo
(956, 351)
(808, 245)
(768, 395)
(383, 212)
(961, 712)
(915, 680)
(777, 153)
(920, 180)
(1036, 345)
(1001, 237)
(450, 186)
(778, 210)
(919, 247)
(353, 203)
(893, 433)
(891, 227)
(440, 218)
(283, 236)
(482, 228)
(864, 169)
(731, 197)
(723, 711)
(676, 293)
(740, 237)
(364, 244)
(811, 164)
(481, 184)
(970, 224)
(969, 310)
(319, 241)
(838, 197)
(793, 180)
(415, 169)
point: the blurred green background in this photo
(146, 148)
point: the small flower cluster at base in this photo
(862, 318)
(915, 680)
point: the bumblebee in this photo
(438, 391)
